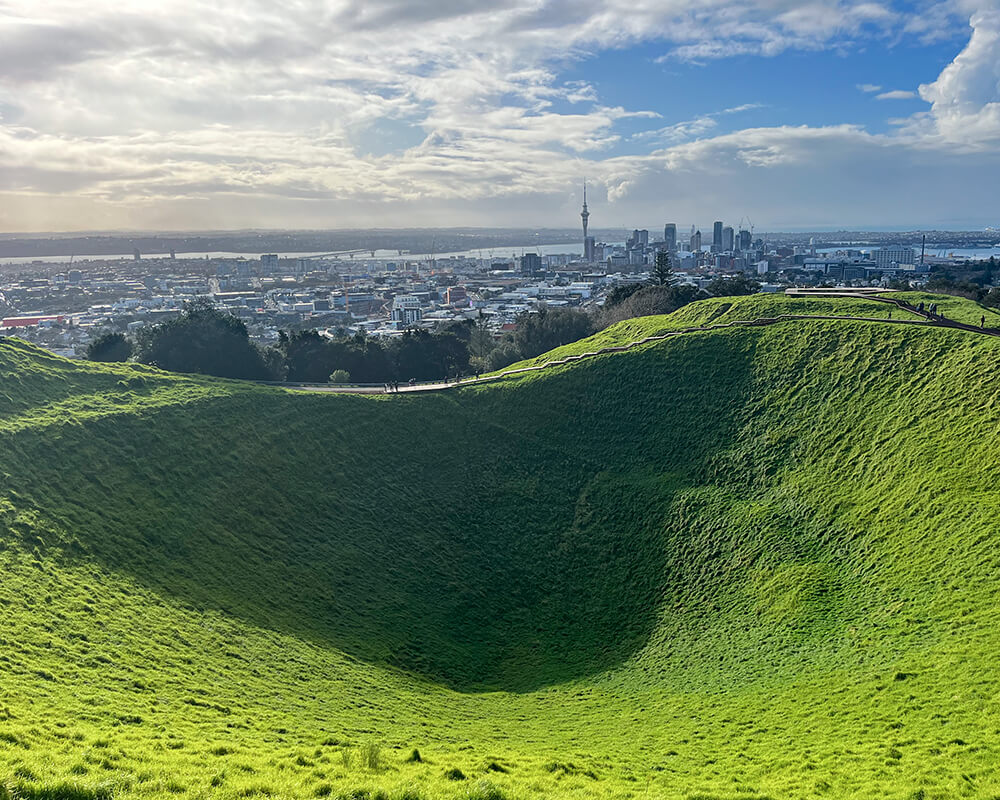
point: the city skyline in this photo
(803, 116)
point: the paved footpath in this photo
(917, 317)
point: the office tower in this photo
(893, 255)
(696, 241)
(670, 237)
(717, 237)
(727, 239)
(268, 263)
(531, 264)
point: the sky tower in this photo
(588, 241)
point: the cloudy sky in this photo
(188, 114)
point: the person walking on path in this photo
(982, 322)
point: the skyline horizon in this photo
(682, 227)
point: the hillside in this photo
(744, 563)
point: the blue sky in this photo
(794, 88)
(334, 113)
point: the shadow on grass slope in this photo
(501, 538)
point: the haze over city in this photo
(327, 115)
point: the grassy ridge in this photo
(716, 311)
(740, 563)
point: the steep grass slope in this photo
(720, 310)
(740, 563)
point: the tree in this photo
(202, 340)
(992, 298)
(652, 300)
(736, 286)
(309, 357)
(663, 275)
(110, 347)
(340, 376)
(547, 329)
(423, 356)
(502, 356)
(620, 293)
(481, 344)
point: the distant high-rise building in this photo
(406, 309)
(585, 216)
(887, 257)
(717, 237)
(588, 249)
(638, 240)
(743, 240)
(727, 239)
(268, 263)
(696, 241)
(670, 237)
(531, 264)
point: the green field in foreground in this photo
(744, 563)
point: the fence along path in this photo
(925, 319)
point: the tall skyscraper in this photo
(717, 237)
(727, 239)
(585, 216)
(696, 241)
(670, 237)
(638, 239)
(531, 264)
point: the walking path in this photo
(924, 319)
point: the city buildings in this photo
(670, 237)
(888, 257)
(531, 264)
(63, 307)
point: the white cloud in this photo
(125, 113)
(896, 94)
(965, 99)
(869, 87)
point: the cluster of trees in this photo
(207, 341)
(210, 342)
(640, 300)
(974, 281)
(201, 340)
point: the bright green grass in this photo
(741, 563)
(715, 311)
(959, 309)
